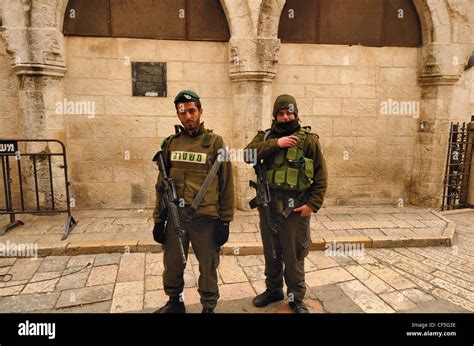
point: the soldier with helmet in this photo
(296, 171)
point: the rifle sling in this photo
(202, 191)
(289, 209)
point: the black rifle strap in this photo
(298, 200)
(205, 186)
(267, 133)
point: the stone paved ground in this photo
(384, 222)
(430, 279)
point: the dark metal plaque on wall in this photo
(149, 78)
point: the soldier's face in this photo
(285, 115)
(189, 115)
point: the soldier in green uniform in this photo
(296, 171)
(189, 155)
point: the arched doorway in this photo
(353, 68)
(156, 19)
(111, 151)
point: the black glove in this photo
(222, 232)
(159, 232)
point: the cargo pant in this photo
(291, 247)
(201, 235)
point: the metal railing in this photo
(9, 151)
(458, 163)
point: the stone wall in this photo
(9, 108)
(340, 90)
(373, 158)
(469, 86)
(110, 153)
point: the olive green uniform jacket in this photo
(218, 202)
(312, 150)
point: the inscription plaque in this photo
(149, 79)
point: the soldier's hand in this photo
(288, 141)
(221, 232)
(159, 233)
(304, 209)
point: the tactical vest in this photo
(191, 159)
(289, 169)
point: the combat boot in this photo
(173, 306)
(267, 297)
(299, 307)
(207, 310)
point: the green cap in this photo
(285, 101)
(186, 96)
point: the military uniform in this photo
(293, 172)
(188, 158)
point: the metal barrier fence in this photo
(9, 153)
(458, 163)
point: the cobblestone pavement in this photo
(431, 279)
(380, 223)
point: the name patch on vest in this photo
(188, 156)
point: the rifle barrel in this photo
(161, 165)
(168, 199)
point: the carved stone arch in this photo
(269, 18)
(426, 21)
(436, 30)
(238, 18)
(60, 13)
(62, 6)
(436, 18)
